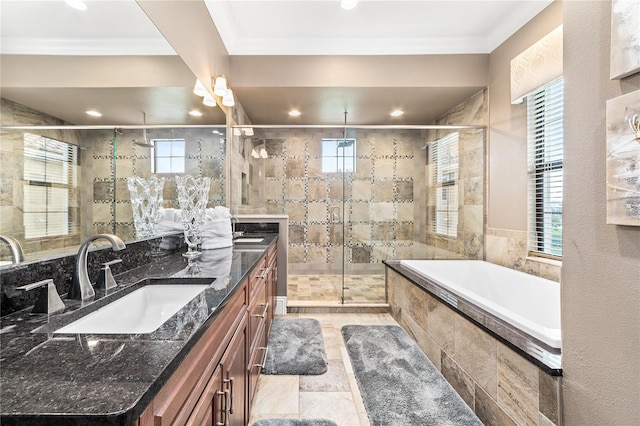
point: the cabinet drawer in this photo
(258, 312)
(258, 275)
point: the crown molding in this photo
(86, 47)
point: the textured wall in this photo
(601, 270)
(506, 233)
(507, 198)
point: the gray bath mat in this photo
(294, 422)
(398, 383)
(296, 347)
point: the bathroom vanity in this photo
(199, 367)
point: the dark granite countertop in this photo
(108, 378)
(545, 357)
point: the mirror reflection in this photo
(61, 185)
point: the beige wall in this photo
(507, 197)
(601, 272)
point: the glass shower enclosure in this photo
(357, 196)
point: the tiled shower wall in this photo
(469, 243)
(380, 198)
(205, 153)
(12, 176)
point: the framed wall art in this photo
(623, 160)
(625, 38)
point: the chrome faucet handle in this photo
(105, 279)
(48, 301)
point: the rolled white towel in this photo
(217, 228)
(218, 213)
(169, 215)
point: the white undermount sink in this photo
(248, 240)
(141, 311)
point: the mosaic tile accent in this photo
(379, 207)
(204, 157)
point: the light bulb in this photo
(227, 100)
(199, 89)
(220, 86)
(208, 100)
(349, 4)
(76, 4)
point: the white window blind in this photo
(50, 189)
(168, 156)
(443, 156)
(545, 142)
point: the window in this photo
(50, 187)
(545, 141)
(338, 155)
(168, 156)
(443, 156)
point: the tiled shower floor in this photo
(303, 289)
(333, 395)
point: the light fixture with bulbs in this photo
(348, 4)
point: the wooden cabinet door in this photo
(234, 377)
(211, 407)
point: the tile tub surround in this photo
(60, 269)
(505, 378)
(508, 248)
(113, 376)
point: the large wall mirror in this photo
(60, 186)
(64, 173)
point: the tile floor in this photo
(333, 395)
(328, 289)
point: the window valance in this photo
(536, 66)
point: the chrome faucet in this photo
(17, 254)
(81, 288)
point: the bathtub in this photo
(527, 302)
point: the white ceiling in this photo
(120, 27)
(373, 27)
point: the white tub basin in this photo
(141, 311)
(248, 240)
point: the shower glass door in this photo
(351, 200)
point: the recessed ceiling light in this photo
(397, 113)
(76, 4)
(294, 113)
(93, 113)
(349, 4)
(195, 113)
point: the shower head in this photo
(144, 142)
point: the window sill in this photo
(545, 260)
